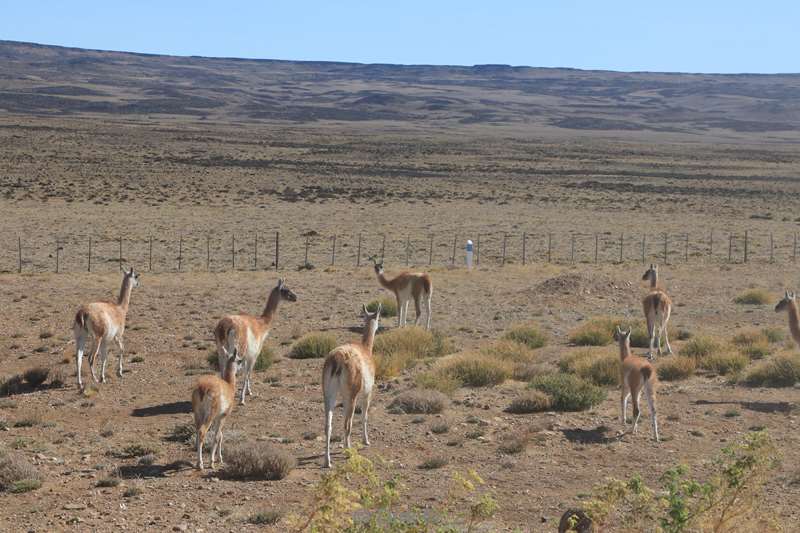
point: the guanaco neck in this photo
(624, 349)
(654, 280)
(125, 295)
(794, 321)
(368, 339)
(230, 373)
(272, 306)
(384, 281)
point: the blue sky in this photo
(670, 35)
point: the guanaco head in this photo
(378, 266)
(233, 363)
(132, 277)
(623, 337)
(783, 305)
(651, 273)
(373, 318)
(285, 292)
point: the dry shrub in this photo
(530, 401)
(595, 332)
(398, 349)
(701, 346)
(11, 386)
(599, 367)
(264, 360)
(420, 401)
(434, 463)
(773, 335)
(265, 518)
(782, 370)
(257, 460)
(568, 392)
(514, 443)
(36, 376)
(510, 351)
(435, 381)
(58, 377)
(753, 297)
(529, 335)
(754, 344)
(388, 306)
(724, 363)
(17, 474)
(474, 370)
(313, 345)
(528, 371)
(676, 368)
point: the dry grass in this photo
(474, 370)
(11, 386)
(398, 349)
(257, 460)
(753, 297)
(528, 334)
(530, 401)
(17, 474)
(595, 332)
(701, 346)
(420, 401)
(599, 367)
(781, 370)
(676, 368)
(434, 463)
(313, 345)
(755, 344)
(36, 376)
(514, 443)
(568, 392)
(724, 363)
(388, 306)
(510, 351)
(433, 380)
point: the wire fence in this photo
(192, 252)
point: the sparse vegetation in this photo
(312, 345)
(753, 297)
(388, 306)
(529, 335)
(724, 363)
(138, 450)
(420, 401)
(17, 475)
(36, 376)
(474, 370)
(514, 443)
(753, 343)
(568, 392)
(107, 482)
(433, 463)
(530, 401)
(398, 349)
(440, 428)
(676, 368)
(132, 491)
(265, 518)
(701, 346)
(432, 380)
(510, 351)
(257, 460)
(595, 332)
(781, 370)
(11, 386)
(599, 367)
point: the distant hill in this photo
(50, 80)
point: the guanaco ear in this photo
(378, 311)
(281, 282)
(364, 310)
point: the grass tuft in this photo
(437, 382)
(11, 386)
(568, 392)
(474, 370)
(312, 346)
(528, 335)
(676, 368)
(782, 370)
(753, 297)
(257, 460)
(701, 346)
(265, 518)
(434, 463)
(398, 349)
(388, 306)
(17, 475)
(724, 363)
(530, 401)
(601, 368)
(36, 376)
(420, 401)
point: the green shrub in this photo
(700, 347)
(475, 370)
(530, 401)
(676, 368)
(257, 460)
(782, 370)
(601, 368)
(138, 450)
(17, 474)
(265, 359)
(398, 349)
(388, 306)
(753, 297)
(568, 392)
(427, 402)
(595, 332)
(36, 376)
(640, 338)
(529, 335)
(435, 381)
(724, 363)
(514, 443)
(313, 345)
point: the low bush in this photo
(36, 376)
(420, 401)
(475, 370)
(594, 332)
(676, 368)
(601, 368)
(530, 401)
(17, 475)
(781, 370)
(528, 371)
(773, 335)
(568, 392)
(529, 335)
(724, 363)
(701, 346)
(265, 518)
(388, 306)
(435, 381)
(108, 482)
(313, 345)
(753, 297)
(514, 443)
(257, 460)
(510, 351)
(11, 386)
(398, 349)
(433, 463)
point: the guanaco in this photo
(789, 304)
(636, 375)
(657, 308)
(405, 286)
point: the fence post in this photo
(745, 246)
(621, 244)
(255, 251)
(180, 252)
(794, 249)
(430, 252)
(277, 248)
(19, 247)
(686, 248)
(453, 257)
(233, 251)
(383, 247)
(408, 248)
(150, 255)
(478, 251)
(524, 242)
(771, 249)
(644, 245)
(549, 246)
(596, 245)
(89, 266)
(505, 240)
(730, 247)
(572, 249)
(666, 250)
(711, 243)
(120, 253)
(208, 253)
(358, 252)
(58, 252)
(333, 251)
(305, 261)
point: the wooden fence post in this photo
(277, 248)
(19, 248)
(621, 244)
(180, 252)
(333, 251)
(771, 249)
(150, 255)
(596, 246)
(478, 251)
(505, 240)
(233, 251)
(730, 247)
(666, 249)
(745, 245)
(383, 247)
(408, 248)
(644, 247)
(572, 248)
(549, 246)
(686, 248)
(120, 253)
(358, 252)
(524, 242)
(453, 257)
(255, 251)
(89, 266)
(208, 253)
(430, 252)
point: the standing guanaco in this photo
(657, 308)
(405, 286)
(636, 375)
